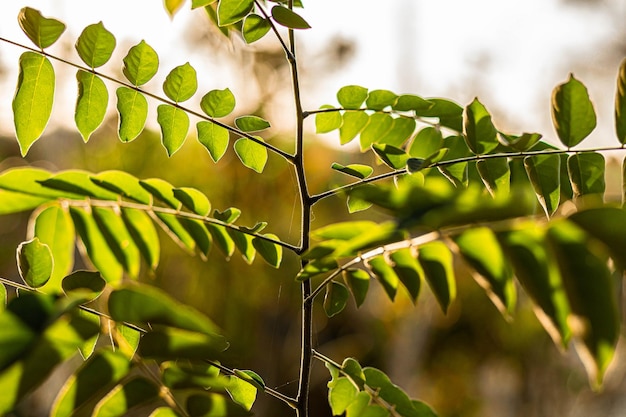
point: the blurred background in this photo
(510, 54)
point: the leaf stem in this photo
(288, 52)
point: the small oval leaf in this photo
(95, 45)
(288, 18)
(41, 30)
(140, 64)
(573, 114)
(34, 262)
(218, 103)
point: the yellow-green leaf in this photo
(132, 107)
(573, 114)
(174, 127)
(91, 105)
(214, 138)
(95, 45)
(140, 64)
(34, 262)
(41, 30)
(181, 83)
(252, 154)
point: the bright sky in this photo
(509, 53)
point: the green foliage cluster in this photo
(523, 215)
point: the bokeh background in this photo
(469, 363)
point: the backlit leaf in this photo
(409, 102)
(118, 238)
(32, 104)
(95, 45)
(436, 260)
(162, 190)
(87, 284)
(177, 232)
(222, 239)
(573, 114)
(620, 104)
(34, 262)
(401, 129)
(427, 141)
(351, 96)
(354, 170)
(41, 30)
(181, 83)
(124, 184)
(214, 138)
(385, 274)
(379, 99)
(78, 182)
(607, 224)
(91, 104)
(132, 107)
(213, 404)
(181, 344)
(270, 252)
(126, 396)
(408, 270)
(218, 103)
(521, 143)
(193, 199)
(393, 157)
(242, 392)
(254, 28)
(140, 64)
(480, 133)
(174, 124)
(495, 174)
(544, 174)
(251, 154)
(327, 121)
(341, 392)
(251, 123)
(243, 242)
(232, 11)
(173, 6)
(358, 281)
(343, 230)
(353, 123)
(586, 171)
(379, 124)
(288, 18)
(199, 233)
(335, 299)
(251, 377)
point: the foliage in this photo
(522, 214)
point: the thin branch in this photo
(287, 156)
(288, 52)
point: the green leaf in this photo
(607, 224)
(140, 64)
(426, 142)
(251, 377)
(316, 267)
(409, 102)
(54, 227)
(218, 103)
(341, 393)
(162, 190)
(254, 28)
(540, 279)
(32, 104)
(572, 112)
(253, 155)
(251, 123)
(174, 124)
(544, 174)
(243, 242)
(589, 288)
(87, 284)
(41, 30)
(352, 124)
(436, 260)
(355, 204)
(181, 375)
(199, 233)
(383, 388)
(222, 239)
(232, 11)
(401, 129)
(95, 45)
(101, 370)
(352, 368)
(91, 104)
(457, 173)
(172, 343)
(124, 184)
(586, 171)
(480, 133)
(481, 250)
(355, 170)
(495, 174)
(520, 143)
(620, 104)
(181, 83)
(270, 252)
(212, 404)
(358, 281)
(3, 297)
(335, 299)
(100, 254)
(173, 6)
(164, 411)
(242, 392)
(343, 230)
(378, 125)
(125, 396)
(132, 107)
(393, 157)
(14, 202)
(327, 121)
(141, 229)
(143, 304)
(385, 274)
(79, 183)
(288, 18)
(214, 138)
(351, 96)
(408, 270)
(379, 99)
(194, 200)
(34, 262)
(176, 231)
(118, 239)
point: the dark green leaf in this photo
(212, 404)
(222, 239)
(408, 270)
(385, 274)
(199, 233)
(142, 305)
(355, 170)
(95, 45)
(218, 103)
(254, 28)
(393, 157)
(335, 299)
(140, 64)
(480, 133)
(181, 83)
(270, 252)
(118, 239)
(436, 260)
(125, 396)
(41, 30)
(32, 103)
(408, 102)
(358, 281)
(172, 343)
(91, 105)
(521, 143)
(352, 124)
(214, 138)
(620, 104)
(327, 121)
(495, 174)
(132, 107)
(586, 171)
(87, 284)
(34, 262)
(251, 123)
(232, 11)
(572, 112)
(174, 124)
(378, 125)
(289, 18)
(243, 242)
(352, 96)
(253, 155)
(544, 174)
(251, 377)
